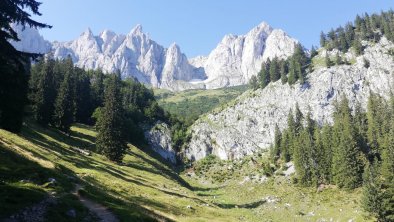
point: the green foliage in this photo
(290, 70)
(65, 101)
(189, 105)
(347, 162)
(372, 196)
(111, 140)
(364, 28)
(14, 65)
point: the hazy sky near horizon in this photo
(198, 26)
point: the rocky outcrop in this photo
(237, 58)
(232, 62)
(31, 40)
(159, 139)
(248, 125)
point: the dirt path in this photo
(101, 211)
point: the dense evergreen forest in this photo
(357, 150)
(296, 67)
(61, 94)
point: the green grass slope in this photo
(189, 105)
(146, 189)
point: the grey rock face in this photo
(159, 139)
(231, 63)
(248, 125)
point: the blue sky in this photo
(198, 26)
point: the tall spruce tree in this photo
(43, 91)
(372, 195)
(347, 159)
(387, 173)
(14, 65)
(64, 114)
(277, 142)
(111, 140)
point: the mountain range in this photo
(235, 59)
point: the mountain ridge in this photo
(235, 59)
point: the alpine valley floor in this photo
(48, 164)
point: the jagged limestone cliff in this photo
(247, 126)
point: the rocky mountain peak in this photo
(235, 59)
(137, 30)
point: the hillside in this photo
(189, 105)
(247, 125)
(143, 188)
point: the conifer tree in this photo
(324, 154)
(313, 52)
(264, 74)
(347, 159)
(292, 72)
(65, 105)
(372, 196)
(375, 113)
(111, 140)
(387, 172)
(14, 64)
(253, 83)
(274, 70)
(43, 91)
(283, 71)
(298, 120)
(322, 39)
(285, 146)
(277, 142)
(302, 157)
(358, 47)
(327, 61)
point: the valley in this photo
(145, 189)
(117, 127)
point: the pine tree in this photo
(14, 65)
(302, 157)
(298, 120)
(358, 47)
(347, 159)
(264, 74)
(274, 70)
(327, 61)
(65, 104)
(322, 39)
(283, 71)
(253, 83)
(375, 113)
(285, 146)
(372, 195)
(98, 88)
(292, 72)
(43, 91)
(111, 140)
(84, 103)
(324, 154)
(387, 172)
(313, 52)
(277, 142)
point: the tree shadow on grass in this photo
(245, 206)
(167, 172)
